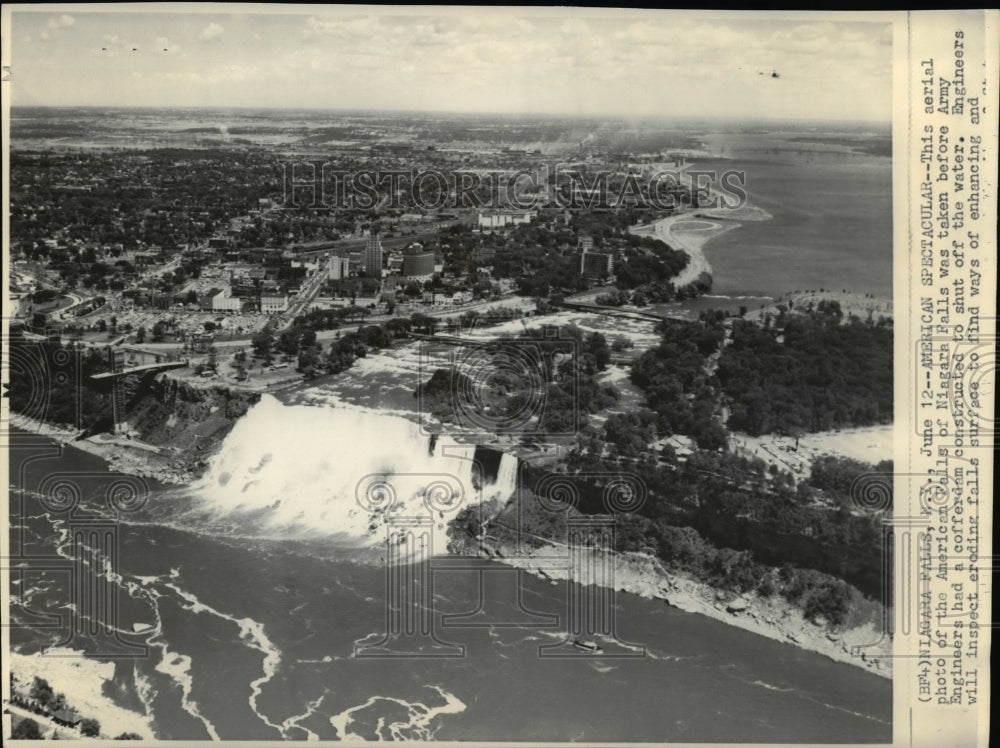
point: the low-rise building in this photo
(20, 303)
(224, 301)
(273, 303)
(484, 254)
(500, 219)
(394, 263)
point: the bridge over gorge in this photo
(614, 311)
(118, 373)
(498, 344)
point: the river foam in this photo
(419, 724)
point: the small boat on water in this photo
(544, 575)
(588, 646)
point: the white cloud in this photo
(56, 24)
(567, 62)
(211, 32)
(61, 22)
(357, 30)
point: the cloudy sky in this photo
(564, 61)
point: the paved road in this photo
(322, 336)
(387, 243)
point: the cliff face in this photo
(186, 422)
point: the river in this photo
(265, 617)
(831, 224)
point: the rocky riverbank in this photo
(173, 431)
(123, 454)
(83, 682)
(642, 574)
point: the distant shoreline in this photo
(806, 245)
(706, 225)
(717, 221)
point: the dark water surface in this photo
(255, 639)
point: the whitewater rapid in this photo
(344, 473)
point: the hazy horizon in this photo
(628, 64)
(610, 117)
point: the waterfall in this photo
(506, 483)
(499, 472)
(343, 473)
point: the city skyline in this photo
(557, 61)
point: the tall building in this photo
(596, 265)
(119, 416)
(339, 267)
(372, 258)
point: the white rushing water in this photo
(419, 723)
(342, 472)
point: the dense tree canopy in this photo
(809, 373)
